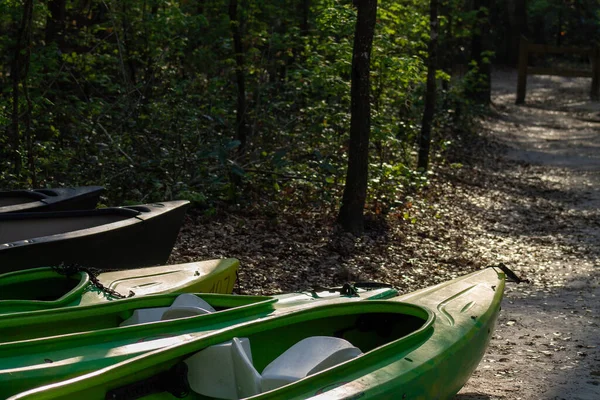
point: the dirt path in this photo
(543, 221)
(533, 202)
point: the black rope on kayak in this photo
(72, 269)
(509, 273)
(346, 290)
(349, 289)
(372, 285)
(237, 287)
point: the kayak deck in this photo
(78, 198)
(93, 332)
(211, 276)
(373, 325)
(424, 350)
(43, 288)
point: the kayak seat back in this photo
(220, 381)
(185, 305)
(248, 381)
(236, 377)
(307, 357)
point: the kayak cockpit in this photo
(135, 316)
(29, 226)
(39, 288)
(56, 199)
(16, 197)
(312, 347)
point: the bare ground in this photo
(546, 342)
(528, 196)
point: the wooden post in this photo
(595, 92)
(523, 62)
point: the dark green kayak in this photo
(424, 345)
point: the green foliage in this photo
(572, 22)
(140, 96)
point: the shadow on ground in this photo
(472, 396)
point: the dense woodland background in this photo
(249, 103)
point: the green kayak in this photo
(44, 346)
(422, 345)
(45, 288)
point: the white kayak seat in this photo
(212, 372)
(248, 381)
(144, 315)
(226, 370)
(184, 305)
(307, 357)
(187, 305)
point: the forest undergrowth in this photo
(427, 239)
(526, 195)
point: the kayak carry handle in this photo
(509, 273)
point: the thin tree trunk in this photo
(351, 216)
(126, 44)
(559, 28)
(200, 7)
(305, 13)
(14, 131)
(55, 23)
(23, 35)
(481, 92)
(517, 16)
(444, 55)
(29, 134)
(428, 113)
(148, 66)
(241, 123)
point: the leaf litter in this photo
(528, 195)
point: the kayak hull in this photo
(109, 238)
(46, 289)
(431, 360)
(57, 199)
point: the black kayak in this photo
(105, 238)
(58, 199)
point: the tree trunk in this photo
(125, 25)
(517, 17)
(481, 92)
(23, 37)
(559, 28)
(444, 55)
(241, 123)
(29, 134)
(200, 7)
(429, 111)
(351, 215)
(304, 26)
(14, 135)
(55, 23)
